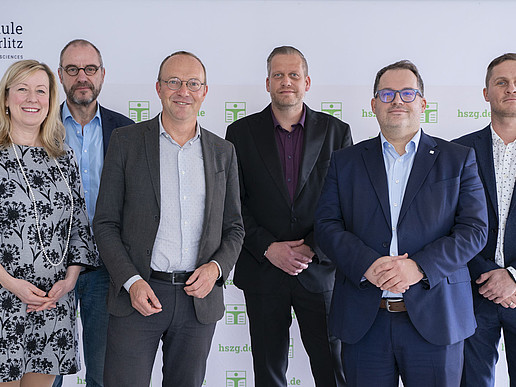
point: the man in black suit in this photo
(283, 154)
(88, 129)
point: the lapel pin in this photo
(432, 152)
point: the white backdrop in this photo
(345, 43)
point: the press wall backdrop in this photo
(345, 43)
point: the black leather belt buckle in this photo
(180, 277)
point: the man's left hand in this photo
(202, 280)
(399, 275)
(498, 285)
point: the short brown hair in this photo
(79, 42)
(182, 53)
(286, 50)
(400, 65)
(496, 61)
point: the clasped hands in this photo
(290, 256)
(37, 299)
(394, 273)
(498, 287)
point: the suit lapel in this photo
(151, 138)
(314, 135)
(265, 141)
(484, 151)
(424, 160)
(373, 160)
(208, 155)
(107, 127)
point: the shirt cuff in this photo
(220, 270)
(512, 272)
(131, 281)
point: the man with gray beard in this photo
(88, 129)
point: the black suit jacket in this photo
(481, 141)
(110, 120)
(268, 212)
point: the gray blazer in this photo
(128, 213)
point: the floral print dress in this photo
(42, 342)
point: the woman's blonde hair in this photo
(52, 131)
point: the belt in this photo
(176, 277)
(393, 305)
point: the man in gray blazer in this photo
(169, 230)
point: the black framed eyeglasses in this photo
(406, 95)
(74, 70)
(176, 83)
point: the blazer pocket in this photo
(461, 275)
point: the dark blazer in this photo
(110, 120)
(128, 212)
(442, 225)
(482, 142)
(268, 211)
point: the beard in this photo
(79, 99)
(285, 102)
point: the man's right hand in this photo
(143, 298)
(283, 256)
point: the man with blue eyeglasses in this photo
(400, 215)
(88, 129)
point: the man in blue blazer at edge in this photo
(493, 273)
(401, 215)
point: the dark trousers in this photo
(481, 349)
(392, 348)
(133, 341)
(270, 318)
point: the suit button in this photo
(156, 218)
(494, 230)
(148, 252)
(293, 219)
(385, 244)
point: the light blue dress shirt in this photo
(398, 171)
(87, 143)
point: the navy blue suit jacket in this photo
(481, 141)
(442, 225)
(110, 121)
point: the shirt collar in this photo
(301, 121)
(411, 145)
(497, 140)
(163, 132)
(66, 114)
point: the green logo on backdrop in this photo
(429, 116)
(291, 349)
(236, 379)
(235, 314)
(332, 108)
(139, 110)
(234, 111)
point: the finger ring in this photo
(511, 304)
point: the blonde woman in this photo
(45, 238)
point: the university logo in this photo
(429, 116)
(234, 111)
(332, 108)
(139, 110)
(11, 40)
(291, 349)
(236, 379)
(235, 314)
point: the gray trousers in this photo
(133, 341)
